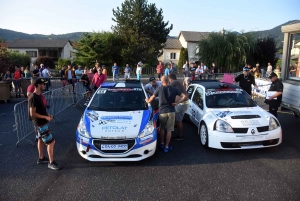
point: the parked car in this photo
(227, 117)
(118, 125)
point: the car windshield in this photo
(119, 99)
(229, 98)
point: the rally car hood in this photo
(115, 125)
(243, 117)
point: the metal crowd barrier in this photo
(79, 90)
(58, 100)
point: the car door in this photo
(190, 92)
(198, 105)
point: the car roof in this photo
(214, 84)
(125, 84)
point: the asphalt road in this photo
(189, 172)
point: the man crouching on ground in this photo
(167, 95)
(37, 109)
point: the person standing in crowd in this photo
(159, 70)
(47, 74)
(127, 71)
(27, 72)
(41, 70)
(104, 72)
(70, 74)
(275, 100)
(78, 73)
(152, 86)
(292, 71)
(8, 78)
(256, 71)
(167, 96)
(115, 71)
(40, 118)
(186, 69)
(173, 68)
(35, 72)
(31, 88)
(186, 82)
(246, 80)
(193, 71)
(98, 79)
(199, 72)
(63, 76)
(215, 70)
(138, 72)
(181, 108)
(167, 70)
(17, 82)
(86, 83)
(277, 71)
(140, 64)
(90, 74)
(22, 72)
(269, 70)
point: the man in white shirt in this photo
(269, 70)
(204, 75)
(152, 86)
(186, 69)
(47, 74)
(127, 71)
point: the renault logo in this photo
(252, 131)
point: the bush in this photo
(5, 62)
(19, 59)
(47, 61)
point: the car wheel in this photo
(203, 135)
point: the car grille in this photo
(245, 117)
(262, 129)
(238, 145)
(240, 130)
(130, 142)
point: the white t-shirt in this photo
(269, 69)
(138, 70)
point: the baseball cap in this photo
(152, 79)
(272, 75)
(245, 69)
(40, 81)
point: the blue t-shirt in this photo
(166, 95)
(167, 72)
(115, 69)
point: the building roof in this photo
(172, 43)
(38, 43)
(193, 36)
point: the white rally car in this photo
(117, 125)
(227, 117)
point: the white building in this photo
(186, 39)
(55, 48)
(295, 50)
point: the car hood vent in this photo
(245, 117)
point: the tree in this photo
(19, 59)
(105, 47)
(5, 62)
(266, 51)
(183, 57)
(47, 61)
(229, 50)
(142, 29)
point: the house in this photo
(171, 51)
(55, 48)
(295, 50)
(186, 39)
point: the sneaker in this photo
(177, 137)
(43, 160)
(53, 166)
(168, 149)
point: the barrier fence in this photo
(57, 101)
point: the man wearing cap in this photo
(152, 85)
(40, 118)
(246, 80)
(275, 100)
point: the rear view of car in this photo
(117, 125)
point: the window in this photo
(172, 55)
(198, 97)
(190, 91)
(32, 53)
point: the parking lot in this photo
(189, 172)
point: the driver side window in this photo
(190, 91)
(198, 97)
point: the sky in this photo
(66, 16)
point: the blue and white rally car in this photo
(227, 117)
(118, 125)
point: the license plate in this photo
(252, 146)
(114, 147)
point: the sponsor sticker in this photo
(250, 122)
(124, 89)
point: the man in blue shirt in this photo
(167, 70)
(115, 71)
(78, 73)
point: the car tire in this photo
(203, 134)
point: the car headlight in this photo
(148, 130)
(273, 124)
(82, 129)
(222, 126)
